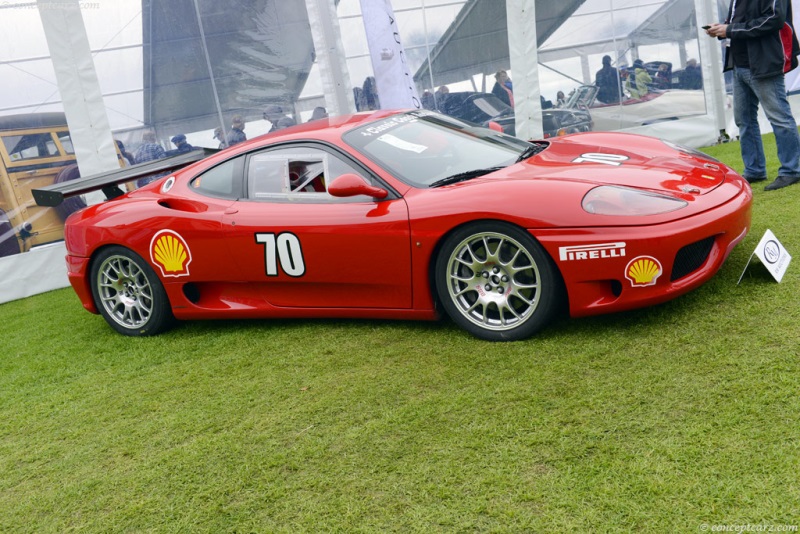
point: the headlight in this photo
(690, 151)
(624, 201)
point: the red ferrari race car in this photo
(401, 215)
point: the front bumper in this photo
(609, 269)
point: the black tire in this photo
(496, 282)
(129, 294)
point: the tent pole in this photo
(327, 36)
(524, 55)
(710, 51)
(211, 78)
(77, 80)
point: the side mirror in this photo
(350, 185)
(495, 126)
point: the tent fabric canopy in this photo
(648, 22)
(257, 54)
(477, 40)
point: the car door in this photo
(301, 247)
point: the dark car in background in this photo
(483, 108)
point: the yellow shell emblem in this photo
(643, 271)
(169, 251)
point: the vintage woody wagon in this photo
(35, 150)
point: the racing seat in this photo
(307, 176)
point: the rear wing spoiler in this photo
(109, 182)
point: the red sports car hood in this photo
(626, 160)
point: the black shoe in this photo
(782, 181)
(756, 179)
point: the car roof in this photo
(33, 120)
(336, 126)
(345, 122)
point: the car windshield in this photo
(422, 148)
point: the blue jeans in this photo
(771, 93)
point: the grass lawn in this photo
(662, 419)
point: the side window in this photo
(307, 175)
(339, 167)
(222, 181)
(30, 146)
(280, 174)
(298, 174)
(267, 176)
(66, 142)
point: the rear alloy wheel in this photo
(495, 281)
(129, 294)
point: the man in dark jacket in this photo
(758, 59)
(692, 76)
(503, 89)
(609, 88)
(181, 145)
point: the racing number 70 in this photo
(284, 248)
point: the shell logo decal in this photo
(643, 271)
(169, 251)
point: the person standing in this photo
(663, 78)
(758, 60)
(427, 100)
(127, 157)
(278, 118)
(236, 135)
(503, 88)
(692, 76)
(609, 87)
(149, 150)
(440, 97)
(219, 136)
(319, 113)
(638, 82)
(181, 145)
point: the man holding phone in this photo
(762, 48)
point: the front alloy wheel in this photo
(496, 281)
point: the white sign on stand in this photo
(772, 254)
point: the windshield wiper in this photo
(463, 176)
(528, 152)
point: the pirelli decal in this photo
(595, 251)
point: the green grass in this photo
(659, 419)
